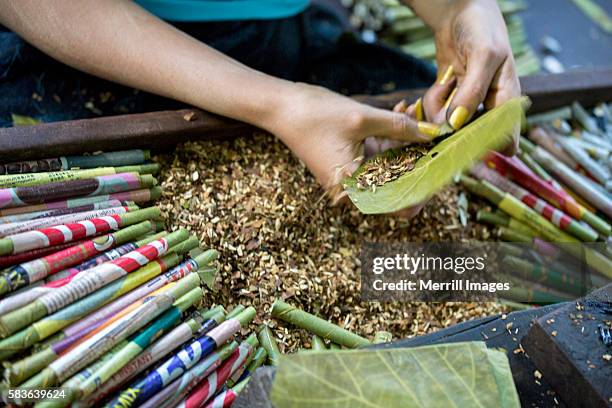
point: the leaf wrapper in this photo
(492, 131)
(454, 375)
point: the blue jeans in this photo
(312, 47)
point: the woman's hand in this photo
(473, 54)
(332, 134)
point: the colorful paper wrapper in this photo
(115, 183)
(176, 365)
(133, 196)
(109, 159)
(27, 273)
(71, 232)
(94, 347)
(89, 282)
(62, 211)
(34, 179)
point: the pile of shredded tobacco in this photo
(385, 168)
(279, 237)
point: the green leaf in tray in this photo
(447, 375)
(434, 170)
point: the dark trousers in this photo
(312, 47)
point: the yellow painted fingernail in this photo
(429, 129)
(446, 76)
(450, 99)
(418, 109)
(458, 117)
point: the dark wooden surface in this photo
(162, 130)
(566, 347)
(495, 333)
(153, 130)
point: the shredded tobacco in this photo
(383, 169)
(279, 236)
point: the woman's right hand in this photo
(333, 134)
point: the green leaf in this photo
(19, 120)
(432, 172)
(448, 375)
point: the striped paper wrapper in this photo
(176, 365)
(23, 196)
(94, 347)
(109, 255)
(178, 336)
(552, 214)
(52, 324)
(214, 382)
(64, 276)
(61, 211)
(135, 196)
(224, 399)
(94, 279)
(34, 179)
(141, 341)
(70, 232)
(26, 273)
(179, 388)
(578, 183)
(18, 227)
(9, 260)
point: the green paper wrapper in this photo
(318, 343)
(53, 323)
(139, 343)
(97, 345)
(316, 325)
(267, 341)
(34, 179)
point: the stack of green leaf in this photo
(459, 374)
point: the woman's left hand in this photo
(474, 56)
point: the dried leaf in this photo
(432, 172)
(454, 375)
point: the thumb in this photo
(480, 70)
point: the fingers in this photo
(505, 85)
(415, 110)
(399, 126)
(401, 106)
(480, 71)
(436, 96)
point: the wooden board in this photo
(162, 130)
(566, 347)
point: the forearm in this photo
(120, 41)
